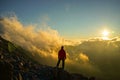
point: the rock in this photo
(92, 78)
(79, 77)
(6, 71)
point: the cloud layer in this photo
(102, 54)
(93, 57)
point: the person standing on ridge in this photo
(61, 56)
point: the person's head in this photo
(62, 47)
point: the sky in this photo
(42, 26)
(73, 19)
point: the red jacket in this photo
(62, 54)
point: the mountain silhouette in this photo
(16, 64)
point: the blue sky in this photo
(71, 18)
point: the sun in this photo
(105, 35)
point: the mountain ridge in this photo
(15, 64)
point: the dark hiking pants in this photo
(63, 63)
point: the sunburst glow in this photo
(105, 35)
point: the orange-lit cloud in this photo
(83, 57)
(42, 41)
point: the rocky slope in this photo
(15, 64)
